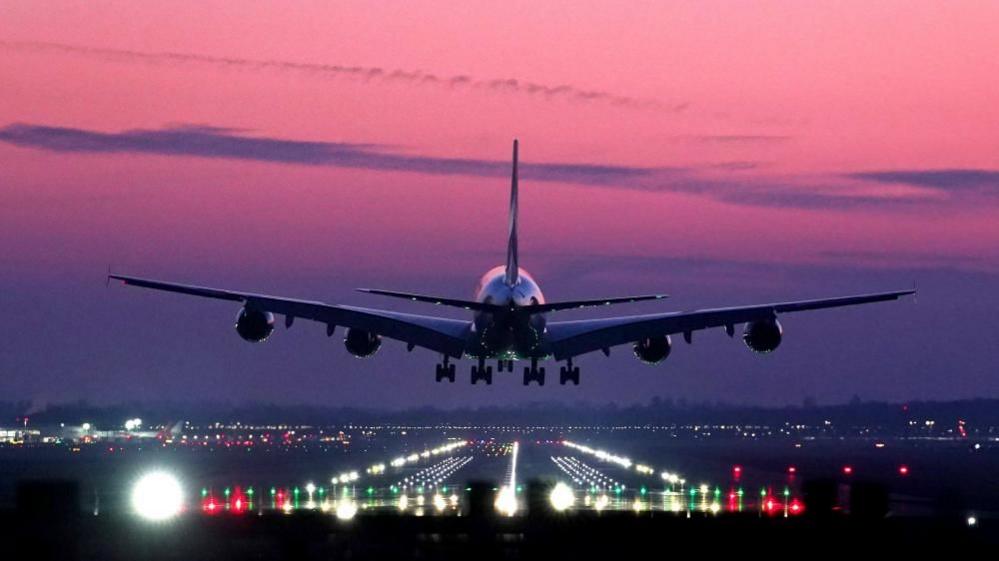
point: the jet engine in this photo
(653, 350)
(763, 336)
(254, 325)
(361, 344)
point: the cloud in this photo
(364, 73)
(223, 143)
(725, 182)
(982, 181)
(739, 138)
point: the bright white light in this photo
(562, 497)
(86, 426)
(439, 502)
(157, 496)
(506, 501)
(601, 502)
(346, 510)
(310, 488)
(972, 521)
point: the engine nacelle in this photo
(653, 350)
(360, 343)
(763, 336)
(253, 325)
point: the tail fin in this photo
(512, 269)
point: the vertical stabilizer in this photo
(512, 268)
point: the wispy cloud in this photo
(730, 183)
(222, 143)
(739, 138)
(508, 85)
(982, 181)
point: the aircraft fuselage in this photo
(512, 333)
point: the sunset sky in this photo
(722, 152)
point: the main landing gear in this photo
(445, 370)
(568, 373)
(534, 373)
(482, 372)
(504, 365)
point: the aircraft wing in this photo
(571, 338)
(446, 336)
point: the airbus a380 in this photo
(510, 320)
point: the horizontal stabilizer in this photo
(466, 304)
(577, 304)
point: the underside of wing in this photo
(443, 335)
(571, 338)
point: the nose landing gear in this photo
(568, 373)
(445, 370)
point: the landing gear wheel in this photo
(568, 374)
(444, 371)
(484, 373)
(534, 374)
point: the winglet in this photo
(512, 276)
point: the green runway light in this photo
(763, 492)
(444, 489)
(693, 492)
(739, 492)
(273, 490)
(787, 492)
(520, 488)
(249, 491)
(296, 492)
(227, 492)
(643, 490)
(371, 490)
(204, 492)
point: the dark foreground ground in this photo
(575, 536)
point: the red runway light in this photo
(796, 507)
(903, 470)
(770, 505)
(792, 470)
(847, 470)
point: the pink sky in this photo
(798, 94)
(839, 88)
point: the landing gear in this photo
(534, 373)
(482, 372)
(502, 365)
(445, 370)
(568, 373)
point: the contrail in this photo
(367, 73)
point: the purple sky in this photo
(724, 154)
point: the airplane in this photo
(510, 320)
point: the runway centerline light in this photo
(157, 496)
